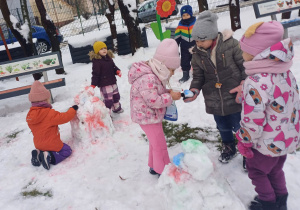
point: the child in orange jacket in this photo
(43, 122)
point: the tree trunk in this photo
(202, 5)
(234, 10)
(50, 29)
(26, 45)
(132, 26)
(112, 24)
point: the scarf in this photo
(41, 104)
(266, 66)
(187, 22)
(160, 70)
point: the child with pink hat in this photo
(149, 99)
(43, 122)
(269, 126)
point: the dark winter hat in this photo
(205, 27)
(186, 9)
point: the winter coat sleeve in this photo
(116, 68)
(62, 118)
(198, 73)
(96, 71)
(238, 58)
(149, 92)
(253, 116)
(177, 36)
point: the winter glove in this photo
(196, 93)
(93, 86)
(245, 149)
(119, 73)
(239, 91)
(75, 107)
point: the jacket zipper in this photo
(224, 61)
(218, 80)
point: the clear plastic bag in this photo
(171, 112)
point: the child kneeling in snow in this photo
(149, 99)
(103, 75)
(270, 115)
(43, 122)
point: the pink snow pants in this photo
(158, 152)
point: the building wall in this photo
(59, 11)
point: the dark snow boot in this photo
(35, 160)
(151, 171)
(228, 152)
(244, 164)
(258, 204)
(185, 77)
(45, 158)
(281, 201)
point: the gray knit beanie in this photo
(205, 27)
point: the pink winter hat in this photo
(38, 92)
(260, 36)
(167, 52)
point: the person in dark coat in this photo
(219, 72)
(104, 76)
(183, 37)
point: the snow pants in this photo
(267, 175)
(158, 152)
(57, 157)
(111, 97)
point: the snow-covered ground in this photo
(112, 173)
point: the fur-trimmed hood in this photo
(93, 55)
(226, 34)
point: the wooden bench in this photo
(26, 89)
(31, 65)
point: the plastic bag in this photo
(171, 112)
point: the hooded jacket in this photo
(43, 123)
(271, 108)
(224, 64)
(104, 69)
(148, 97)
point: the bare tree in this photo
(50, 30)
(111, 19)
(132, 24)
(20, 32)
(203, 5)
(234, 10)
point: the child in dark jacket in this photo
(218, 71)
(43, 122)
(103, 76)
(183, 37)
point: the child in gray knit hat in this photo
(219, 72)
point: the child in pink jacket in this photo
(270, 115)
(149, 99)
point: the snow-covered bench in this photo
(30, 65)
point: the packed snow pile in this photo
(93, 121)
(192, 183)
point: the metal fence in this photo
(74, 17)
